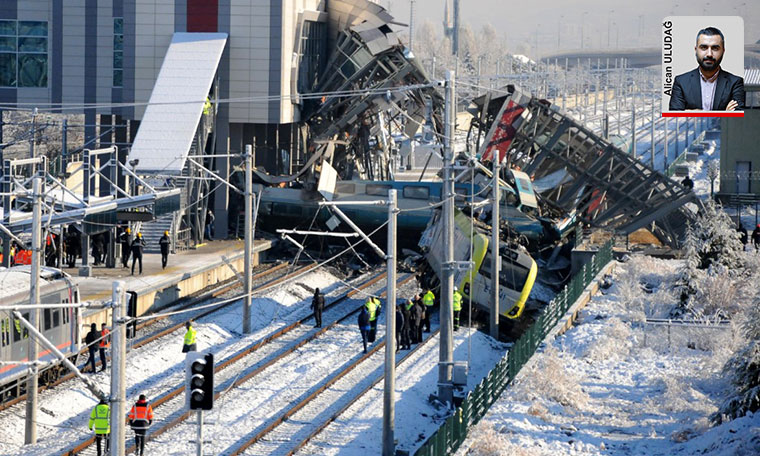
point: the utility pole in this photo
(493, 319)
(445, 388)
(633, 130)
(34, 133)
(653, 144)
(411, 26)
(248, 240)
(30, 428)
(118, 368)
(389, 406)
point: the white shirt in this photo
(708, 90)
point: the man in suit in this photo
(708, 87)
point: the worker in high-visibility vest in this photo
(189, 345)
(207, 107)
(428, 299)
(140, 419)
(457, 307)
(373, 307)
(100, 419)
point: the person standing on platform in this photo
(189, 343)
(318, 304)
(364, 326)
(125, 246)
(428, 300)
(209, 225)
(97, 248)
(105, 342)
(140, 419)
(91, 341)
(100, 420)
(73, 246)
(138, 245)
(164, 243)
(373, 307)
(457, 301)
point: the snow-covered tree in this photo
(744, 370)
(712, 244)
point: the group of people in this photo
(136, 247)
(745, 238)
(140, 419)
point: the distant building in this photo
(102, 53)
(740, 151)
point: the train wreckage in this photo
(378, 103)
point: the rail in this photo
(450, 435)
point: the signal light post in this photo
(199, 388)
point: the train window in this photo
(377, 189)
(413, 192)
(65, 313)
(57, 318)
(46, 319)
(16, 330)
(26, 331)
(6, 331)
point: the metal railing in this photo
(447, 439)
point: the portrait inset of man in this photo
(708, 87)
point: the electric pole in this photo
(248, 240)
(389, 406)
(118, 368)
(445, 388)
(633, 130)
(411, 26)
(30, 428)
(653, 144)
(493, 319)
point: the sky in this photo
(630, 24)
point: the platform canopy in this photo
(176, 104)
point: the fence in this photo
(453, 431)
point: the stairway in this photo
(152, 232)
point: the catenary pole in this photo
(633, 130)
(445, 388)
(653, 125)
(248, 240)
(493, 318)
(118, 368)
(30, 428)
(389, 399)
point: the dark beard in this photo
(711, 66)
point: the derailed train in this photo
(517, 272)
(60, 326)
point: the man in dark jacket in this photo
(399, 327)
(420, 314)
(137, 252)
(364, 326)
(688, 183)
(125, 246)
(73, 245)
(97, 248)
(756, 237)
(743, 236)
(91, 341)
(164, 243)
(318, 304)
(406, 339)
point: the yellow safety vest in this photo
(190, 336)
(101, 418)
(457, 300)
(409, 304)
(428, 299)
(207, 107)
(372, 305)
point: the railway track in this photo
(171, 327)
(263, 353)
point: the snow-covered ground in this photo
(615, 385)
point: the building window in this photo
(23, 53)
(118, 51)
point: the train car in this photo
(60, 326)
(517, 273)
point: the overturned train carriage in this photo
(517, 273)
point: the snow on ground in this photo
(358, 431)
(613, 385)
(158, 366)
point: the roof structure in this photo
(171, 118)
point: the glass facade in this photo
(118, 51)
(23, 53)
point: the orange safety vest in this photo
(141, 412)
(104, 343)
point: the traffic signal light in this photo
(199, 381)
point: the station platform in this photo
(186, 273)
